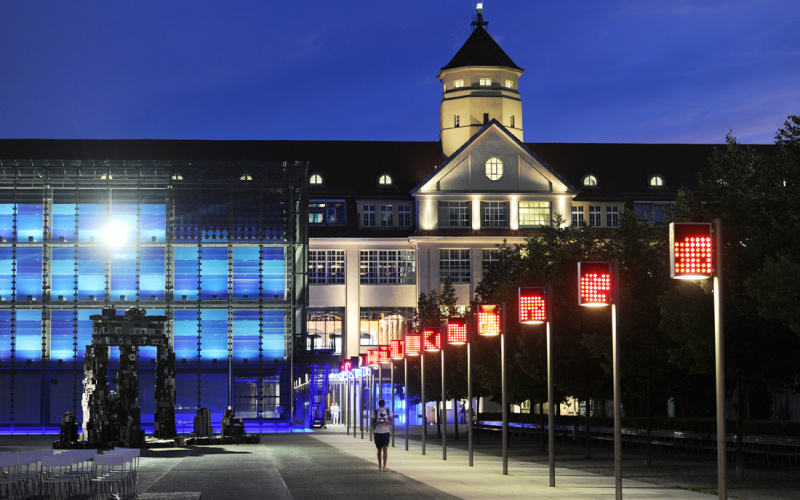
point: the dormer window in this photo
(246, 177)
(315, 180)
(656, 182)
(106, 177)
(589, 181)
(176, 177)
(486, 82)
(494, 168)
(385, 180)
(458, 84)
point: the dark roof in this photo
(480, 49)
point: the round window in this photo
(494, 168)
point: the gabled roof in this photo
(480, 49)
(493, 123)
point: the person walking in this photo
(335, 413)
(382, 424)
(463, 413)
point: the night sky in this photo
(635, 71)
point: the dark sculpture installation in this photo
(113, 418)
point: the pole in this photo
(469, 390)
(617, 385)
(444, 402)
(347, 404)
(422, 394)
(551, 418)
(391, 383)
(405, 392)
(504, 389)
(361, 403)
(719, 356)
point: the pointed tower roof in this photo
(480, 49)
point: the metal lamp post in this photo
(413, 347)
(492, 322)
(431, 342)
(458, 334)
(397, 351)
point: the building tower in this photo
(480, 84)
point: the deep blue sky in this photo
(595, 71)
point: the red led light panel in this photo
(396, 350)
(532, 308)
(457, 331)
(489, 320)
(346, 366)
(594, 283)
(383, 355)
(372, 357)
(433, 339)
(690, 254)
(413, 344)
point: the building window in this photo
(655, 213)
(404, 215)
(589, 181)
(577, 216)
(489, 257)
(509, 84)
(386, 216)
(454, 264)
(486, 82)
(368, 216)
(534, 213)
(485, 118)
(494, 168)
(315, 179)
(454, 214)
(385, 180)
(612, 216)
(326, 212)
(494, 214)
(456, 121)
(246, 177)
(325, 326)
(380, 325)
(511, 121)
(393, 267)
(176, 177)
(326, 266)
(656, 181)
(595, 216)
(458, 84)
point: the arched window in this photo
(589, 180)
(385, 180)
(494, 168)
(315, 179)
(246, 177)
(176, 177)
(656, 181)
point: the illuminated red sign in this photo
(383, 355)
(532, 308)
(413, 344)
(396, 350)
(457, 331)
(346, 366)
(594, 284)
(690, 256)
(372, 357)
(489, 320)
(433, 339)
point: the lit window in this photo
(386, 216)
(458, 84)
(315, 179)
(404, 215)
(454, 264)
(325, 326)
(577, 216)
(454, 214)
(489, 257)
(380, 325)
(494, 214)
(656, 181)
(176, 177)
(106, 177)
(246, 177)
(594, 216)
(326, 212)
(457, 120)
(385, 180)
(534, 213)
(393, 267)
(486, 82)
(494, 168)
(368, 216)
(326, 266)
(509, 84)
(612, 216)
(590, 181)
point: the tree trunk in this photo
(739, 428)
(542, 423)
(439, 419)
(455, 417)
(648, 461)
(588, 428)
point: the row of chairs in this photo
(69, 474)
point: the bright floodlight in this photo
(115, 234)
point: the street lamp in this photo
(598, 287)
(396, 352)
(535, 309)
(431, 342)
(491, 323)
(695, 254)
(413, 349)
(458, 334)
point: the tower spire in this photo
(478, 18)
